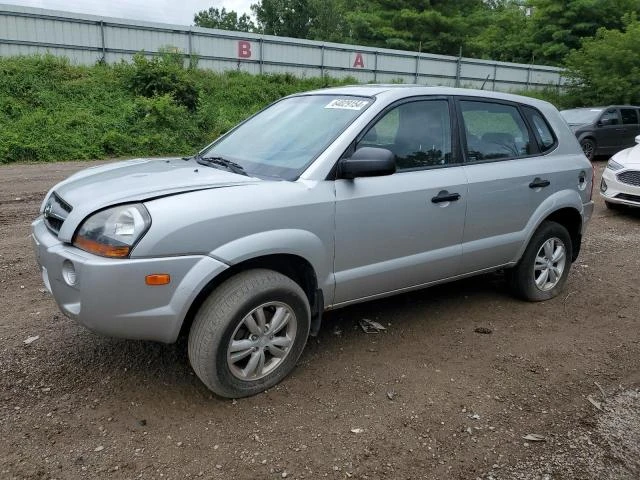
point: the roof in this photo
(398, 91)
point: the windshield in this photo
(579, 116)
(282, 140)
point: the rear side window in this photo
(629, 116)
(494, 131)
(544, 135)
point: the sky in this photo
(179, 12)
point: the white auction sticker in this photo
(347, 104)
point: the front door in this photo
(609, 132)
(396, 232)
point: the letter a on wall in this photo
(359, 61)
(244, 49)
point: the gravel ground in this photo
(429, 398)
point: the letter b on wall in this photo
(244, 49)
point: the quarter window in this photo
(494, 131)
(542, 131)
(418, 133)
(629, 116)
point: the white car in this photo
(620, 183)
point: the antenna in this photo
(485, 81)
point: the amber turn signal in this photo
(157, 279)
(101, 249)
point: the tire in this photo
(589, 148)
(522, 278)
(613, 206)
(258, 358)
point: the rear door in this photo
(396, 232)
(507, 180)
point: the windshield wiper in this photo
(191, 157)
(223, 162)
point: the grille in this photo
(55, 213)
(626, 196)
(630, 177)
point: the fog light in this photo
(69, 273)
(603, 186)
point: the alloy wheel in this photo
(550, 263)
(261, 341)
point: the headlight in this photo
(613, 165)
(113, 232)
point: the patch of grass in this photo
(51, 110)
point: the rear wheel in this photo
(588, 147)
(248, 335)
(542, 271)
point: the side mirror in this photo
(368, 162)
(638, 139)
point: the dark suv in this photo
(604, 130)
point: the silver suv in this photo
(321, 200)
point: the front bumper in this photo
(110, 296)
(618, 192)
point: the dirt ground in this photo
(430, 398)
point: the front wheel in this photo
(542, 272)
(249, 333)
(589, 148)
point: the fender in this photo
(283, 241)
(553, 203)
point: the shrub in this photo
(163, 75)
(52, 110)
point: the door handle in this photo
(445, 196)
(539, 183)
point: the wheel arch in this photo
(587, 136)
(564, 207)
(567, 216)
(570, 219)
(293, 266)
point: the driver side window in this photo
(610, 117)
(418, 133)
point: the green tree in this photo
(224, 20)
(328, 22)
(419, 25)
(560, 25)
(539, 31)
(606, 69)
(285, 18)
(502, 31)
(310, 19)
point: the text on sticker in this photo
(347, 104)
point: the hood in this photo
(135, 181)
(629, 157)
